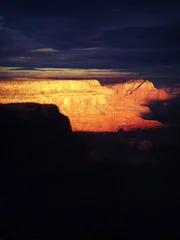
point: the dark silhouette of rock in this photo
(33, 133)
(59, 184)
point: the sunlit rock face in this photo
(130, 100)
(140, 91)
(88, 105)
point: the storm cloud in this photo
(137, 38)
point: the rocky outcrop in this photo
(131, 101)
(88, 105)
(72, 97)
(34, 138)
(140, 91)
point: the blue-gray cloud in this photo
(112, 37)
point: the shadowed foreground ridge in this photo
(56, 183)
(33, 113)
(32, 131)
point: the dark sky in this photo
(129, 36)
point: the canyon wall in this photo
(89, 105)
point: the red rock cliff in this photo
(88, 105)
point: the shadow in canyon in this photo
(56, 183)
(165, 111)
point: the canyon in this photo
(90, 106)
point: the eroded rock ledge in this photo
(89, 105)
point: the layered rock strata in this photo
(89, 105)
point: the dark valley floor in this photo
(56, 183)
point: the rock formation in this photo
(140, 91)
(89, 105)
(174, 90)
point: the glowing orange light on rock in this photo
(88, 105)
